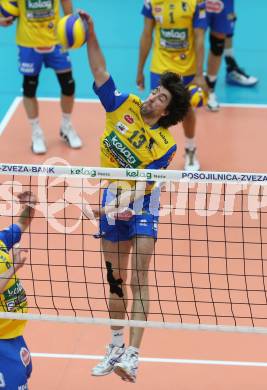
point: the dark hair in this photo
(180, 101)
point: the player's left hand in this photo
(18, 260)
(124, 214)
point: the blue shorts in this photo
(220, 16)
(155, 79)
(32, 59)
(15, 364)
(143, 223)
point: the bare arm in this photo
(67, 7)
(95, 56)
(28, 201)
(144, 49)
(5, 22)
(199, 79)
(18, 262)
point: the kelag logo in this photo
(83, 171)
(137, 173)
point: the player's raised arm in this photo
(28, 201)
(95, 56)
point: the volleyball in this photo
(9, 8)
(198, 96)
(72, 31)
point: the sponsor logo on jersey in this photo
(121, 127)
(137, 102)
(163, 138)
(25, 356)
(215, 6)
(15, 297)
(184, 6)
(174, 38)
(120, 151)
(129, 118)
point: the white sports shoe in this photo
(38, 142)
(213, 104)
(191, 162)
(69, 135)
(106, 366)
(128, 365)
(239, 77)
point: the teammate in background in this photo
(15, 358)
(178, 47)
(136, 136)
(38, 45)
(221, 20)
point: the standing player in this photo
(136, 136)
(178, 47)
(15, 358)
(38, 45)
(221, 20)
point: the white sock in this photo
(190, 143)
(35, 125)
(117, 338)
(212, 78)
(229, 52)
(134, 349)
(65, 118)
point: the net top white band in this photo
(133, 174)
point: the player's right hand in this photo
(27, 198)
(87, 19)
(140, 81)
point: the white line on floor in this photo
(155, 360)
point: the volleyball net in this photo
(209, 267)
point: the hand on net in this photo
(27, 198)
(18, 260)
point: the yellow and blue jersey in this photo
(13, 298)
(175, 22)
(128, 142)
(37, 21)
